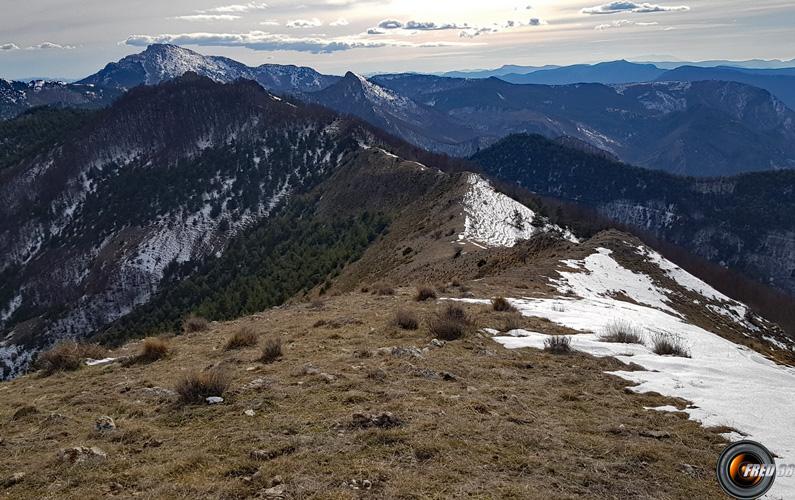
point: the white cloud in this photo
(625, 6)
(259, 40)
(50, 46)
(472, 32)
(208, 17)
(269, 22)
(9, 46)
(245, 7)
(339, 22)
(304, 23)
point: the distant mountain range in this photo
(702, 128)
(779, 82)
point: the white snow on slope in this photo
(495, 220)
(728, 384)
(599, 275)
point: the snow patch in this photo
(496, 220)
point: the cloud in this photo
(622, 23)
(390, 24)
(208, 17)
(269, 22)
(50, 46)
(304, 23)
(375, 31)
(238, 8)
(339, 22)
(430, 26)
(9, 46)
(624, 6)
(472, 32)
(259, 40)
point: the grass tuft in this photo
(196, 387)
(558, 344)
(406, 320)
(193, 323)
(153, 348)
(67, 355)
(669, 345)
(622, 332)
(451, 323)
(244, 337)
(272, 350)
(424, 293)
(500, 304)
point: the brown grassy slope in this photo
(505, 424)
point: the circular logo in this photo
(746, 470)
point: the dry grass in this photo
(67, 355)
(558, 344)
(451, 323)
(500, 304)
(196, 387)
(383, 289)
(244, 337)
(407, 320)
(669, 345)
(622, 332)
(153, 348)
(272, 350)
(193, 324)
(519, 424)
(424, 293)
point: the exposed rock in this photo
(13, 479)
(401, 352)
(214, 400)
(249, 413)
(655, 434)
(448, 376)
(257, 383)
(437, 343)
(327, 377)
(274, 492)
(383, 420)
(158, 393)
(105, 423)
(80, 454)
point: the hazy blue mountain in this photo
(503, 70)
(607, 72)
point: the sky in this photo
(75, 38)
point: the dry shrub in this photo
(512, 322)
(383, 289)
(196, 387)
(193, 323)
(272, 350)
(406, 320)
(451, 323)
(68, 355)
(558, 344)
(424, 293)
(153, 348)
(500, 304)
(245, 337)
(669, 345)
(622, 332)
